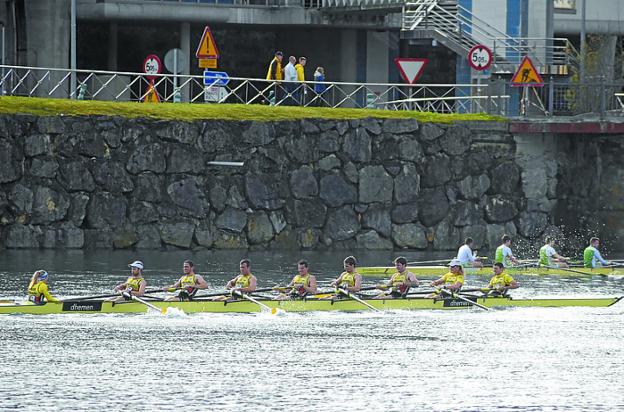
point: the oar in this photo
(352, 296)
(460, 297)
(417, 262)
(104, 296)
(149, 305)
(227, 292)
(426, 292)
(271, 310)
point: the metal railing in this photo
(128, 86)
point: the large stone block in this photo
(113, 177)
(532, 225)
(185, 160)
(398, 126)
(499, 209)
(433, 206)
(505, 178)
(335, 191)
(187, 194)
(48, 206)
(233, 220)
(407, 184)
(436, 171)
(177, 234)
(405, 213)
(23, 237)
(262, 191)
(44, 166)
(10, 159)
(473, 187)
(36, 144)
(106, 210)
(456, 141)
(377, 217)
(357, 145)
(409, 235)
(303, 183)
(371, 240)
(259, 228)
(309, 213)
(342, 224)
(147, 158)
(375, 185)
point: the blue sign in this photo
(215, 78)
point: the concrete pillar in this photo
(347, 53)
(377, 48)
(112, 46)
(185, 46)
(47, 32)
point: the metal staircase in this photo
(458, 29)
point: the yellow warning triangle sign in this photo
(151, 96)
(527, 75)
(207, 48)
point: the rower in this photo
(465, 255)
(400, 282)
(349, 280)
(451, 281)
(301, 285)
(501, 282)
(134, 285)
(38, 289)
(548, 257)
(504, 254)
(188, 284)
(245, 282)
(591, 255)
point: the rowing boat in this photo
(380, 271)
(310, 305)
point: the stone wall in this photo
(93, 182)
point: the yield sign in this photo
(527, 75)
(207, 48)
(410, 68)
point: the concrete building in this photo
(354, 40)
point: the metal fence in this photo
(128, 86)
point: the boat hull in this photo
(243, 306)
(387, 271)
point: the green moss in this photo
(189, 112)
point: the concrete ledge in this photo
(567, 128)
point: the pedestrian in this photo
(319, 88)
(275, 74)
(301, 88)
(290, 78)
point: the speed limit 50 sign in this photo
(480, 57)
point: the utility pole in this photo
(583, 42)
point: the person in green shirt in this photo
(591, 255)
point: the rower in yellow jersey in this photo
(451, 281)
(501, 282)
(245, 282)
(400, 282)
(301, 285)
(38, 289)
(349, 280)
(135, 284)
(188, 284)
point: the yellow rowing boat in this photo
(310, 305)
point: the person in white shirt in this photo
(290, 79)
(548, 257)
(465, 255)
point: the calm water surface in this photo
(513, 359)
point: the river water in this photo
(512, 359)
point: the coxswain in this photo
(349, 280)
(245, 282)
(38, 292)
(400, 282)
(501, 282)
(548, 257)
(504, 254)
(452, 281)
(133, 286)
(188, 284)
(591, 255)
(302, 285)
(466, 256)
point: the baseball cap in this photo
(279, 53)
(136, 264)
(43, 276)
(455, 262)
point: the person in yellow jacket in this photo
(301, 87)
(275, 71)
(135, 284)
(501, 282)
(38, 292)
(188, 284)
(451, 281)
(400, 282)
(302, 285)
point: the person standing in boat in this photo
(452, 281)
(245, 282)
(592, 257)
(501, 282)
(38, 292)
(400, 282)
(466, 256)
(548, 257)
(349, 280)
(188, 284)
(302, 285)
(504, 254)
(135, 284)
